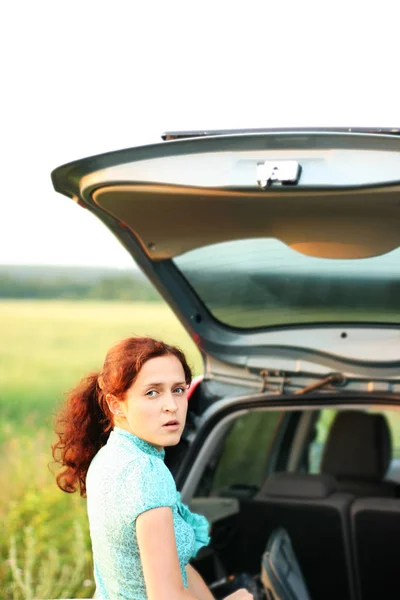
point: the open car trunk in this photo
(343, 530)
(279, 253)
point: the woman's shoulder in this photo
(148, 483)
(146, 471)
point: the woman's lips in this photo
(171, 426)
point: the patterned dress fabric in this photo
(126, 478)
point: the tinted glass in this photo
(242, 459)
(263, 282)
(323, 426)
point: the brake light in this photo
(195, 382)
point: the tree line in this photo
(112, 287)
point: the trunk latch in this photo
(285, 172)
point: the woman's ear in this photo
(114, 405)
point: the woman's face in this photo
(157, 397)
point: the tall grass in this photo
(45, 347)
(45, 545)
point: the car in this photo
(279, 252)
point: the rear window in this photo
(262, 282)
(243, 458)
(324, 424)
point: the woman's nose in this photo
(170, 403)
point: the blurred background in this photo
(81, 78)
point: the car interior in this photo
(329, 516)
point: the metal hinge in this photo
(273, 381)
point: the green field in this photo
(45, 347)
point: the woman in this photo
(112, 433)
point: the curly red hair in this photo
(84, 423)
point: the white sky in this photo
(84, 77)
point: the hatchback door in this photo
(278, 250)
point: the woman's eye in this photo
(179, 390)
(151, 393)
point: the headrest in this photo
(294, 485)
(359, 446)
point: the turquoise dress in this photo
(126, 478)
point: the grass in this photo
(45, 543)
